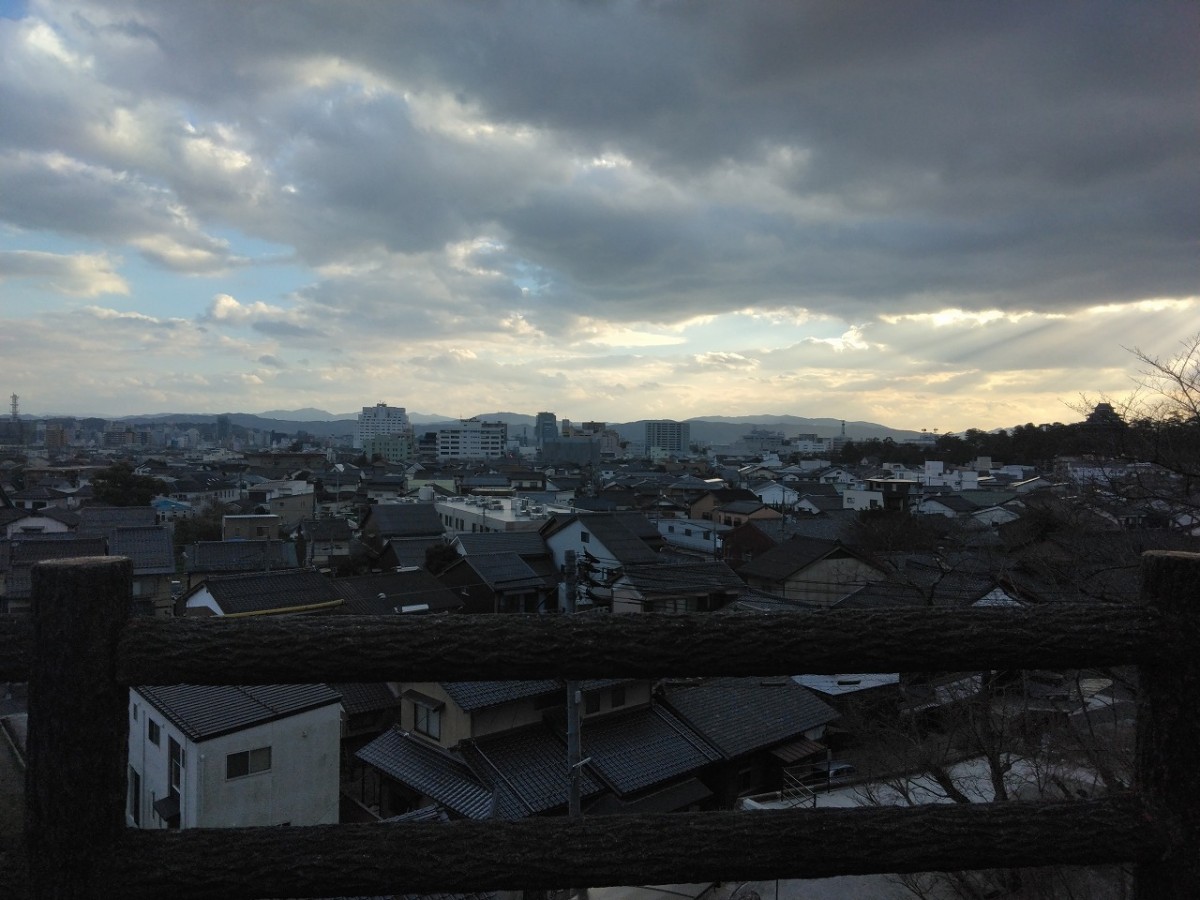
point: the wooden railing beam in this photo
(474, 647)
(645, 849)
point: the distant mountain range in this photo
(718, 430)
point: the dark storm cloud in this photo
(852, 158)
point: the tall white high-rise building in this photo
(667, 436)
(380, 420)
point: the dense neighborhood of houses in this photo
(466, 521)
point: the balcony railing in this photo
(82, 650)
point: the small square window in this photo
(584, 537)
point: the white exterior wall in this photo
(300, 788)
(698, 535)
(202, 600)
(471, 439)
(776, 495)
(378, 420)
(34, 525)
(859, 498)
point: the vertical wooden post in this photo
(78, 723)
(1168, 723)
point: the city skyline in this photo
(916, 215)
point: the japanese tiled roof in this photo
(429, 770)
(405, 519)
(363, 698)
(622, 535)
(25, 552)
(326, 529)
(504, 571)
(742, 507)
(240, 556)
(954, 502)
(684, 577)
(741, 715)
(526, 543)
(405, 588)
(471, 695)
(637, 750)
(203, 711)
(263, 591)
(532, 763)
(411, 551)
(102, 519)
(793, 555)
(148, 546)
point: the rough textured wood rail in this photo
(652, 645)
(668, 848)
(87, 649)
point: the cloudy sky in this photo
(942, 215)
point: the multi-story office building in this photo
(380, 420)
(472, 439)
(545, 427)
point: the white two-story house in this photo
(226, 756)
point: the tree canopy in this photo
(119, 485)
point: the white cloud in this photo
(76, 275)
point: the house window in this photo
(153, 732)
(135, 712)
(248, 762)
(584, 537)
(618, 696)
(427, 720)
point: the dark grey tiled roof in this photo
(743, 507)
(240, 556)
(471, 695)
(411, 551)
(684, 577)
(613, 532)
(404, 519)
(794, 554)
(504, 571)
(8, 516)
(326, 529)
(740, 715)
(24, 553)
(362, 698)
(263, 591)
(532, 764)
(645, 747)
(102, 519)
(203, 711)
(429, 770)
(400, 589)
(526, 543)
(148, 546)
(954, 502)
